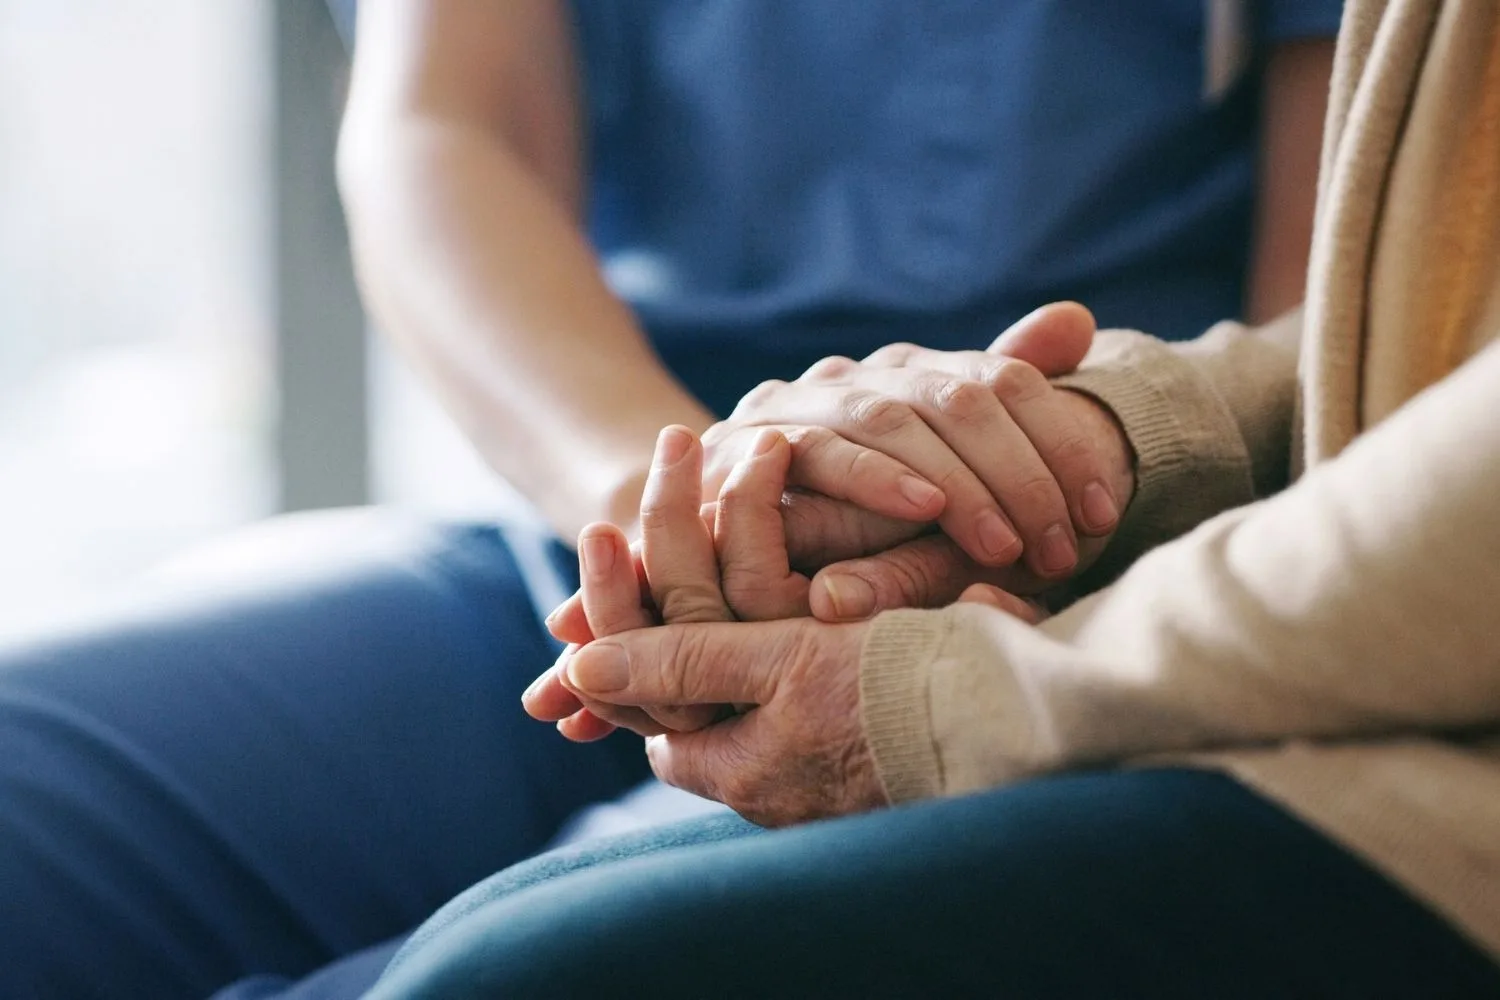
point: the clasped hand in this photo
(764, 714)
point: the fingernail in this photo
(600, 667)
(598, 555)
(1099, 510)
(851, 597)
(1057, 553)
(918, 492)
(764, 442)
(671, 445)
(997, 539)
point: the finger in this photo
(756, 578)
(548, 698)
(827, 463)
(596, 721)
(1053, 339)
(977, 428)
(568, 623)
(1047, 418)
(820, 530)
(551, 698)
(584, 726)
(611, 591)
(676, 548)
(930, 572)
(684, 718)
(1002, 600)
(1050, 422)
(870, 410)
(710, 663)
(700, 762)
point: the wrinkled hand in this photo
(797, 749)
(799, 753)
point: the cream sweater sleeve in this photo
(1210, 421)
(1359, 601)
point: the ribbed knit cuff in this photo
(1191, 461)
(894, 674)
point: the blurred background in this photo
(181, 346)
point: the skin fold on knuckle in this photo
(968, 404)
(876, 415)
(686, 673)
(657, 515)
(689, 603)
(810, 450)
(747, 589)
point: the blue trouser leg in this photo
(1159, 884)
(263, 771)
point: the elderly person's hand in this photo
(797, 752)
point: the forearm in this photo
(479, 272)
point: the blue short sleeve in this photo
(1290, 20)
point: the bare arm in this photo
(1294, 102)
(460, 165)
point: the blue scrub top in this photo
(774, 181)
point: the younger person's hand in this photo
(683, 557)
(1027, 470)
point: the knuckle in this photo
(747, 591)
(655, 515)
(692, 603)
(879, 415)
(829, 368)
(1018, 382)
(891, 355)
(808, 441)
(759, 396)
(740, 782)
(903, 581)
(965, 402)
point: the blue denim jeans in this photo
(287, 756)
(260, 775)
(1142, 884)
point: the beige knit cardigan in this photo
(1335, 645)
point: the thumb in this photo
(700, 663)
(1052, 339)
